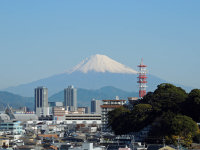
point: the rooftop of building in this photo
(120, 100)
(110, 106)
(82, 115)
(48, 135)
(41, 87)
(4, 117)
(26, 117)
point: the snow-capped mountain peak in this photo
(102, 63)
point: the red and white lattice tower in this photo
(142, 79)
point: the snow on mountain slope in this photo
(102, 63)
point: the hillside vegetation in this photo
(169, 110)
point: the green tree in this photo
(173, 126)
(196, 138)
(118, 121)
(140, 117)
(165, 110)
(166, 97)
(192, 105)
(122, 121)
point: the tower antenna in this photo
(142, 79)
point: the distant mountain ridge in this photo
(16, 101)
(93, 73)
(85, 96)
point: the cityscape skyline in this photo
(100, 75)
(51, 38)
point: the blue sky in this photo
(42, 38)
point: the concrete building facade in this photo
(12, 127)
(70, 98)
(109, 105)
(54, 104)
(96, 106)
(83, 119)
(59, 111)
(41, 101)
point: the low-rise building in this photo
(83, 110)
(59, 111)
(9, 116)
(12, 127)
(54, 104)
(83, 119)
(4, 142)
(87, 146)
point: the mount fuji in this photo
(92, 73)
(101, 63)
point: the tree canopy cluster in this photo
(169, 111)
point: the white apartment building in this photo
(109, 105)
